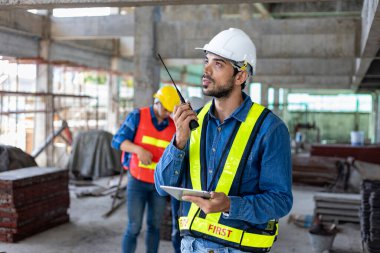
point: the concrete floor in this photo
(88, 231)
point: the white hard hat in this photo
(233, 44)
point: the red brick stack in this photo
(31, 201)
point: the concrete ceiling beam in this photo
(20, 21)
(123, 25)
(287, 67)
(311, 66)
(113, 26)
(104, 46)
(87, 56)
(17, 45)
(330, 82)
(49, 4)
(370, 40)
(273, 38)
(171, 45)
(64, 52)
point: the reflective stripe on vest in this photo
(210, 226)
(154, 142)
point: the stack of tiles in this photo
(31, 201)
(370, 215)
(337, 207)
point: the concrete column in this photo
(285, 100)
(216, 12)
(276, 100)
(43, 124)
(285, 114)
(146, 64)
(264, 94)
(245, 11)
(113, 100)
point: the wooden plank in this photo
(338, 198)
(337, 205)
(338, 212)
(339, 219)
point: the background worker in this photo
(240, 152)
(143, 137)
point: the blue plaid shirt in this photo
(266, 181)
(128, 129)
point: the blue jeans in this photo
(195, 245)
(138, 195)
(176, 238)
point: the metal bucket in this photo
(321, 243)
(357, 138)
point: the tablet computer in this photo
(178, 192)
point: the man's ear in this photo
(241, 77)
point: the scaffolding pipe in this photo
(50, 139)
(23, 93)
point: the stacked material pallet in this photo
(337, 207)
(370, 215)
(31, 201)
(314, 170)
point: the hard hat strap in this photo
(241, 66)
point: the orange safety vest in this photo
(153, 140)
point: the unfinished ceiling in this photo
(300, 43)
(49, 4)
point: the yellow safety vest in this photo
(209, 226)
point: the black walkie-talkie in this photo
(193, 123)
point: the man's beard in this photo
(224, 91)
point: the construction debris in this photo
(301, 220)
(314, 170)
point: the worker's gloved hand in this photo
(219, 202)
(183, 114)
(144, 156)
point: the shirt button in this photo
(180, 155)
(210, 171)
(213, 149)
(219, 129)
(176, 172)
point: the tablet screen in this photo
(178, 192)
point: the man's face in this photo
(162, 112)
(218, 78)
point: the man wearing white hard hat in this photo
(240, 153)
